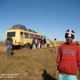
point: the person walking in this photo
(9, 47)
(38, 43)
(34, 44)
(68, 58)
(55, 45)
(48, 42)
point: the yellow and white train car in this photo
(22, 37)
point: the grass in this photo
(28, 64)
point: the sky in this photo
(48, 17)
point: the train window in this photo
(26, 35)
(31, 36)
(11, 34)
(37, 36)
(21, 33)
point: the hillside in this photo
(27, 64)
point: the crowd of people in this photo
(38, 43)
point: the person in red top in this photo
(68, 58)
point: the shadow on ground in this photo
(46, 76)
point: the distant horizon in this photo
(51, 40)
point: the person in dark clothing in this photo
(9, 46)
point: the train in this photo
(21, 36)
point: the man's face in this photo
(69, 40)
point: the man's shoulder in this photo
(75, 44)
(62, 44)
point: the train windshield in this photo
(11, 34)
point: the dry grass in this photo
(2, 47)
(28, 64)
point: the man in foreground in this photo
(68, 58)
